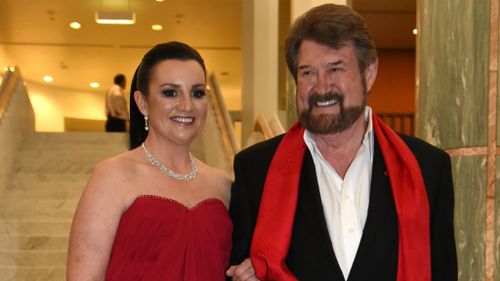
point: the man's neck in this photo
(340, 149)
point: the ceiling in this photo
(35, 35)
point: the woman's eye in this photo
(199, 94)
(169, 93)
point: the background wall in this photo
(3, 57)
(394, 88)
(52, 104)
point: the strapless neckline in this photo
(160, 238)
(205, 201)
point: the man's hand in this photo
(242, 272)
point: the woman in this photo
(155, 212)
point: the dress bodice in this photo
(161, 239)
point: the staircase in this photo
(37, 205)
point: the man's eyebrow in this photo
(335, 63)
(303, 66)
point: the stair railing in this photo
(261, 125)
(224, 121)
(7, 86)
(263, 129)
(400, 122)
(16, 119)
(276, 126)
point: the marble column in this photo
(260, 61)
(457, 104)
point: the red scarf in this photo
(273, 231)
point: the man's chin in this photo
(322, 124)
(330, 123)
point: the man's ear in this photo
(371, 74)
(140, 100)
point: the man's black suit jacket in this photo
(311, 256)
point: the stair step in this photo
(62, 169)
(10, 243)
(52, 139)
(54, 192)
(38, 202)
(70, 150)
(37, 209)
(40, 228)
(35, 203)
(28, 179)
(33, 183)
(33, 258)
(48, 273)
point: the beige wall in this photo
(52, 104)
(3, 61)
(3, 57)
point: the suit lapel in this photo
(310, 206)
(377, 203)
(381, 220)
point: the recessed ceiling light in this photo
(159, 0)
(156, 27)
(415, 31)
(48, 78)
(75, 25)
(103, 17)
(94, 85)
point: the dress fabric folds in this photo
(161, 239)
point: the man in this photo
(340, 196)
(116, 106)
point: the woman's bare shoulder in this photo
(217, 180)
(114, 173)
(218, 176)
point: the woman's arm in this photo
(94, 225)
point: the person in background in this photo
(156, 212)
(340, 196)
(116, 106)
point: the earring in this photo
(146, 125)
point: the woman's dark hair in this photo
(331, 25)
(142, 77)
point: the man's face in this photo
(331, 90)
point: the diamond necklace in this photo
(186, 177)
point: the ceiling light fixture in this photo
(75, 25)
(103, 17)
(94, 85)
(48, 78)
(156, 27)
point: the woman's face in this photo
(177, 103)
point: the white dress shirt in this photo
(345, 201)
(116, 104)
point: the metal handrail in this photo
(224, 121)
(400, 122)
(261, 125)
(9, 82)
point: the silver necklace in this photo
(186, 177)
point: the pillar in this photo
(457, 104)
(260, 62)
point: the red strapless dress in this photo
(161, 239)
